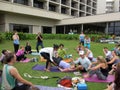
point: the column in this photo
(82, 27)
(64, 29)
(106, 29)
(54, 30)
(30, 2)
(60, 6)
(36, 29)
(11, 1)
(6, 27)
(47, 5)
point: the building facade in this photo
(57, 17)
(41, 15)
(108, 6)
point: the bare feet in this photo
(86, 76)
(47, 70)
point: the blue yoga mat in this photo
(42, 67)
(49, 88)
(35, 53)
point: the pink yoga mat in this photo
(94, 78)
(25, 61)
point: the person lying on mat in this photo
(83, 62)
(47, 53)
(100, 68)
(116, 84)
(10, 75)
(62, 65)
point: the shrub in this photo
(1, 37)
(28, 36)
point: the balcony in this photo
(24, 2)
(38, 4)
(94, 5)
(74, 13)
(65, 2)
(52, 8)
(74, 4)
(88, 9)
(55, 1)
(64, 10)
(82, 1)
(89, 2)
(81, 14)
(82, 7)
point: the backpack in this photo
(65, 81)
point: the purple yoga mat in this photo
(94, 78)
(49, 88)
(42, 67)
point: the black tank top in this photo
(104, 71)
(57, 60)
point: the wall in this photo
(29, 10)
(101, 6)
(36, 22)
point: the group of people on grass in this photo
(55, 55)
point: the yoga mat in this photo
(35, 53)
(50, 88)
(94, 78)
(42, 67)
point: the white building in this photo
(108, 6)
(56, 16)
(41, 15)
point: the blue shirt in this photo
(16, 41)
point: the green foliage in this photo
(28, 36)
(1, 37)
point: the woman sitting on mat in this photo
(10, 75)
(111, 58)
(116, 84)
(47, 53)
(21, 54)
(28, 48)
(100, 68)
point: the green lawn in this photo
(70, 45)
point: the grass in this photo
(70, 45)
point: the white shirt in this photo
(109, 55)
(48, 50)
(90, 54)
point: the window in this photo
(47, 29)
(38, 4)
(21, 28)
(52, 8)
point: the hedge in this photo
(28, 36)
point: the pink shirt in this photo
(20, 52)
